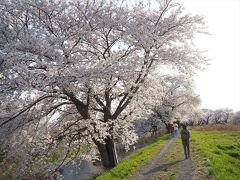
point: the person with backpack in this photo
(185, 135)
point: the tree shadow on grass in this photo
(162, 167)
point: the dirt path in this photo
(184, 169)
(168, 163)
(152, 164)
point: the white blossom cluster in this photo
(73, 74)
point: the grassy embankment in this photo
(131, 163)
(220, 151)
(215, 154)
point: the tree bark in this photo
(108, 152)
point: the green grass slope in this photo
(221, 151)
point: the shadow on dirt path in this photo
(162, 167)
(152, 164)
(184, 170)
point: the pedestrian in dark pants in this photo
(185, 135)
(171, 130)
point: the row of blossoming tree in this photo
(73, 74)
(170, 98)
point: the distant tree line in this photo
(209, 116)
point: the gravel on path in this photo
(152, 164)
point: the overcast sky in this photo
(219, 84)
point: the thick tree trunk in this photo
(108, 153)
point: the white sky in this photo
(219, 84)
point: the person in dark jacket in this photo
(170, 129)
(185, 135)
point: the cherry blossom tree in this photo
(173, 98)
(207, 115)
(195, 117)
(70, 71)
(222, 116)
(218, 116)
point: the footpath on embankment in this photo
(168, 163)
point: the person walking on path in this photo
(171, 130)
(175, 126)
(185, 135)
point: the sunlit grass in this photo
(128, 165)
(221, 151)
